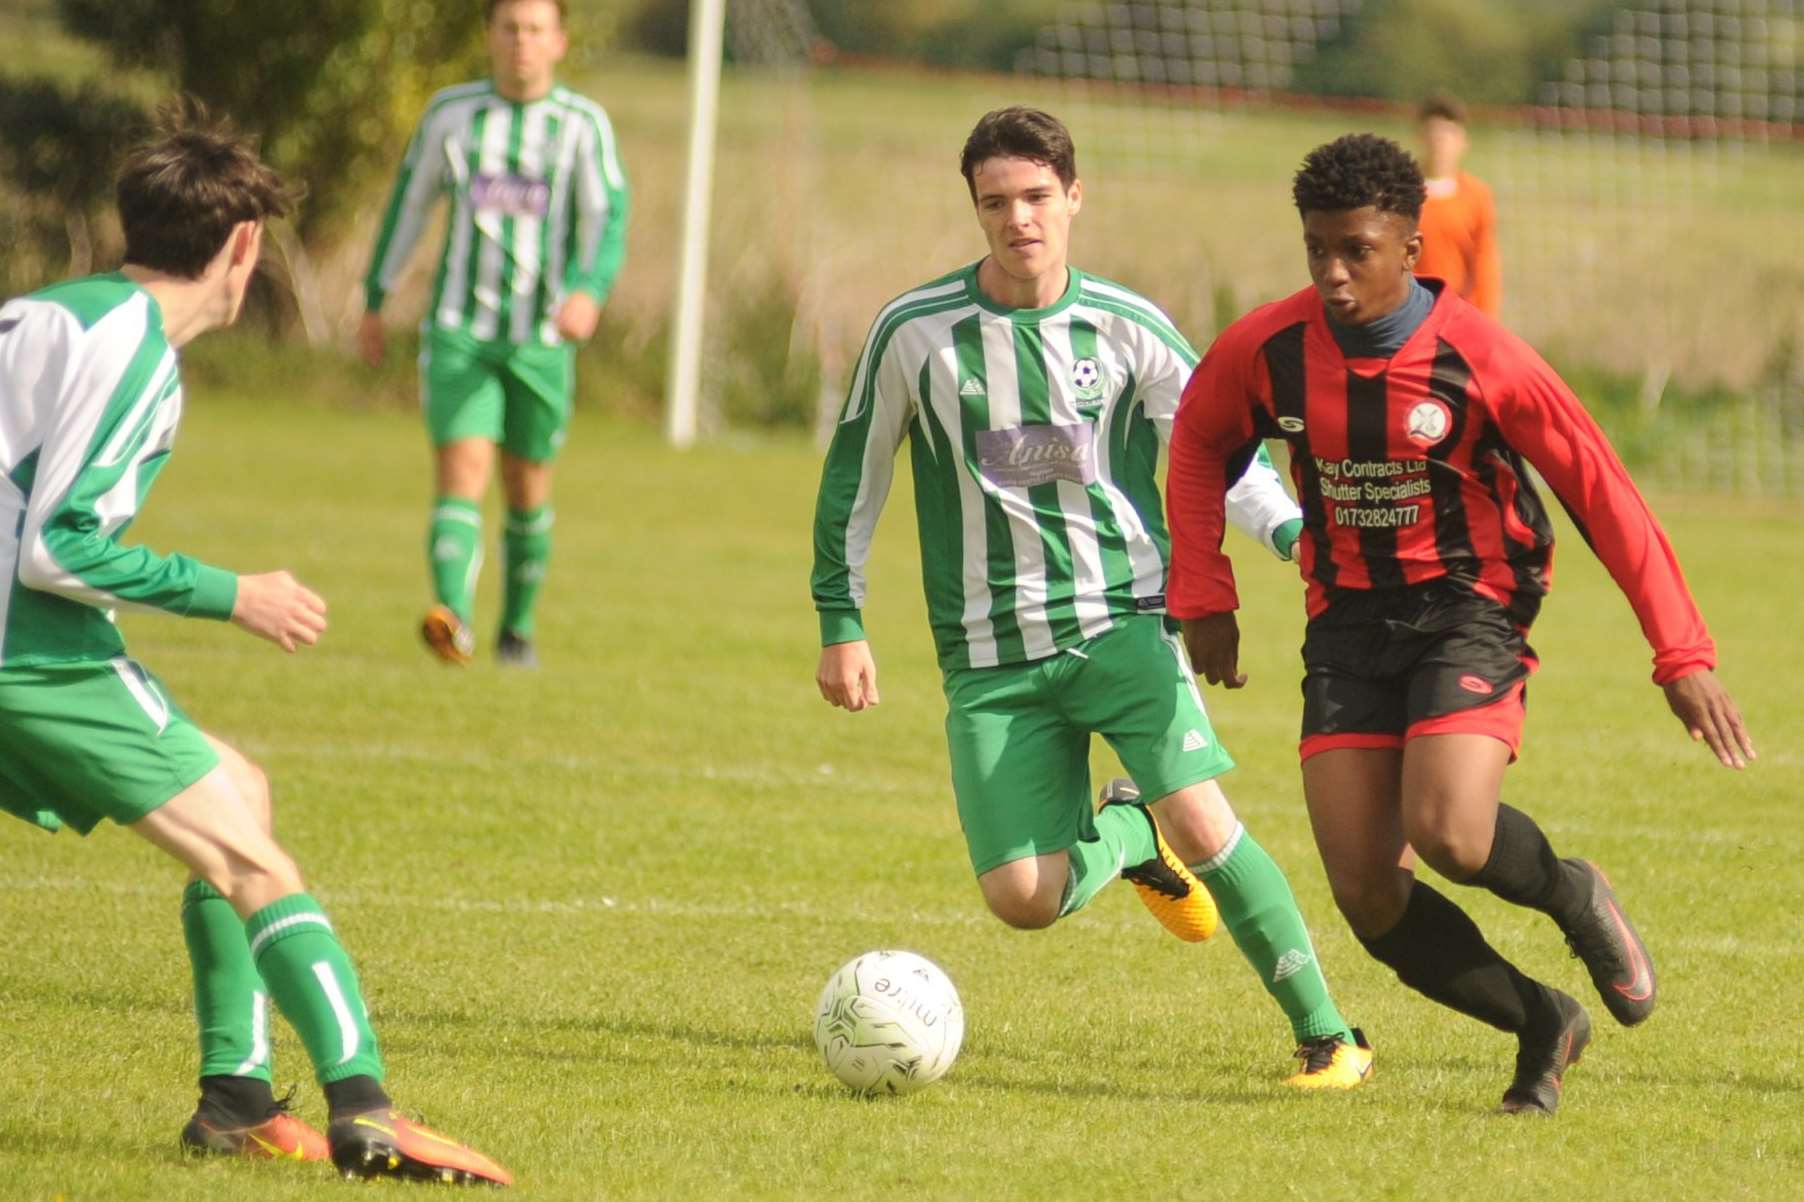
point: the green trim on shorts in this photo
(517, 395)
(95, 739)
(1019, 737)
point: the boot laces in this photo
(1317, 1054)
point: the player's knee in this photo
(1197, 822)
(1026, 893)
(252, 873)
(251, 889)
(1024, 913)
(1448, 848)
(1025, 902)
(1371, 905)
(464, 466)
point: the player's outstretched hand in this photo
(372, 340)
(1708, 712)
(1214, 646)
(276, 606)
(577, 316)
(848, 675)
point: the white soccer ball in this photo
(889, 1023)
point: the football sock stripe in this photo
(454, 553)
(228, 991)
(526, 545)
(1261, 913)
(315, 987)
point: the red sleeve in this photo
(1541, 418)
(1215, 419)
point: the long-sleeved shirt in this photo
(1459, 241)
(90, 395)
(538, 210)
(1414, 468)
(1035, 437)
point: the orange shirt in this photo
(1459, 242)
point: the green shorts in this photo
(1020, 737)
(514, 394)
(97, 739)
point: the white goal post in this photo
(707, 20)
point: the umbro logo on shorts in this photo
(1194, 740)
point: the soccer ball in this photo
(889, 1022)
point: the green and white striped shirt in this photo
(90, 395)
(1035, 437)
(538, 210)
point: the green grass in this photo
(593, 906)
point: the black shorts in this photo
(1383, 666)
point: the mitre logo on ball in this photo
(889, 1022)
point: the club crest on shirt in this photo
(1428, 423)
(510, 195)
(1088, 380)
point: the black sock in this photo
(1439, 952)
(354, 1095)
(235, 1101)
(1523, 869)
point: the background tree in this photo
(331, 85)
(58, 150)
(1476, 49)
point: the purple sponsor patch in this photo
(513, 195)
(1024, 456)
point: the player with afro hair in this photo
(1357, 170)
(1413, 420)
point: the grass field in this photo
(592, 906)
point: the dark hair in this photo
(1356, 170)
(1019, 133)
(181, 193)
(488, 13)
(1444, 105)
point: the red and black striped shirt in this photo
(1412, 469)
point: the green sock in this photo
(1261, 913)
(231, 1005)
(454, 552)
(1123, 837)
(314, 985)
(527, 543)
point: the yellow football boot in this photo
(279, 1136)
(1166, 887)
(447, 636)
(1332, 1063)
(386, 1143)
